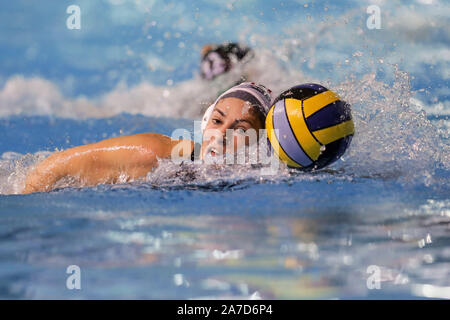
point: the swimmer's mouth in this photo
(213, 151)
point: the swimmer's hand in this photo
(106, 161)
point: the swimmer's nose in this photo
(222, 139)
(219, 136)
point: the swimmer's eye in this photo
(216, 121)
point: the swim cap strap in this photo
(243, 95)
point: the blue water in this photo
(299, 237)
(233, 232)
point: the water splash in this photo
(13, 170)
(392, 139)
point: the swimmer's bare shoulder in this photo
(104, 161)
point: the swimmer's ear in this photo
(206, 117)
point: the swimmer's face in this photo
(234, 114)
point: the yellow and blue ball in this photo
(309, 126)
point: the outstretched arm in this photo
(46, 174)
(103, 162)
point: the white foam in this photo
(14, 168)
(188, 99)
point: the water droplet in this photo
(178, 279)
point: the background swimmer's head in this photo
(240, 109)
(221, 58)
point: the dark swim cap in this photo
(218, 59)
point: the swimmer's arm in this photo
(105, 161)
(46, 174)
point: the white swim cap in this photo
(259, 96)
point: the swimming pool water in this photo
(230, 232)
(305, 236)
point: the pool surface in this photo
(374, 225)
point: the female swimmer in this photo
(240, 108)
